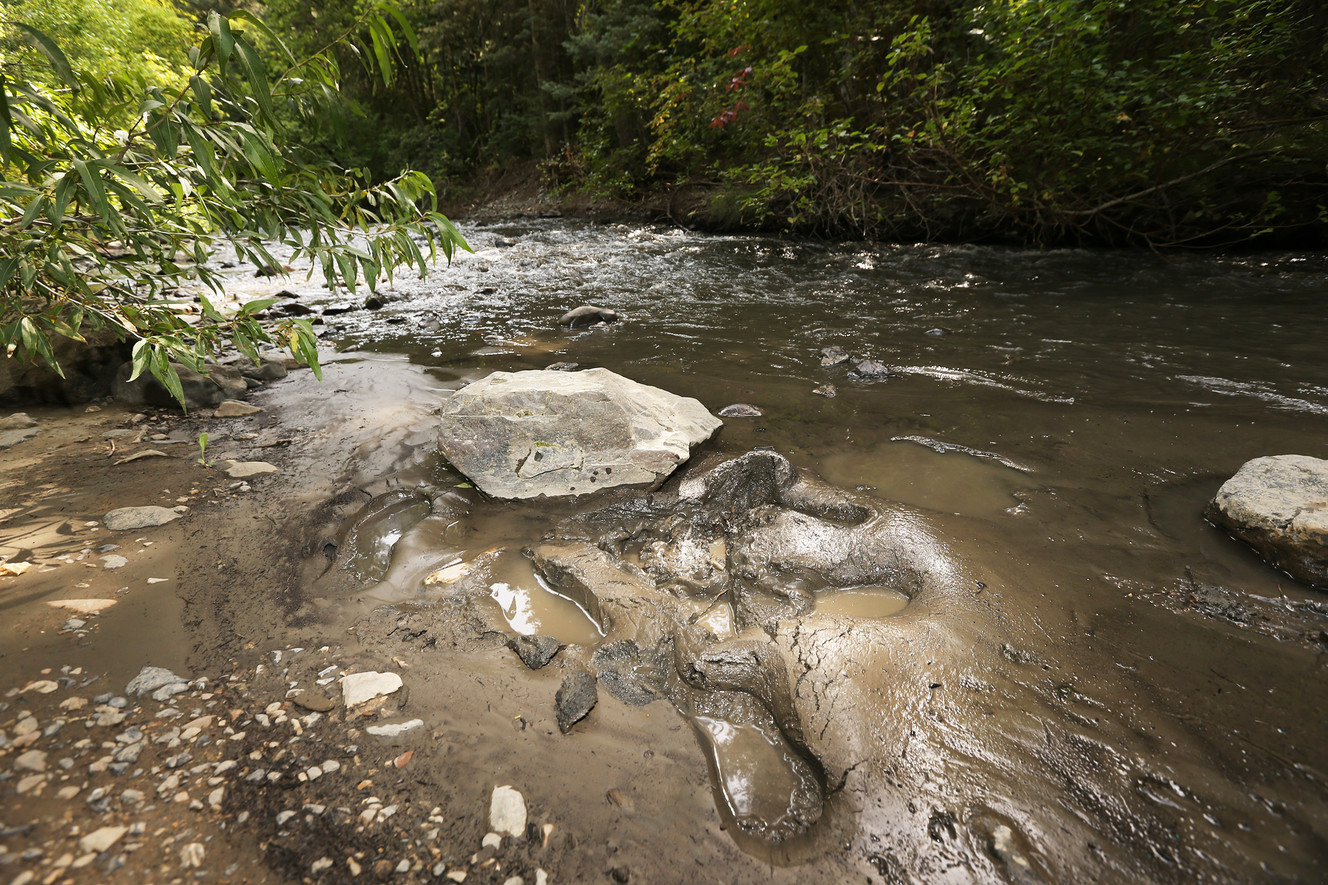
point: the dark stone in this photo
(752, 480)
(535, 651)
(200, 391)
(89, 369)
(373, 302)
(575, 698)
(587, 315)
(293, 309)
(632, 675)
(313, 700)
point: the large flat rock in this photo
(543, 433)
(1279, 506)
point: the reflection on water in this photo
(861, 602)
(952, 481)
(531, 608)
(764, 783)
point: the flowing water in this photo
(1063, 415)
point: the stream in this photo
(1135, 694)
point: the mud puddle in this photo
(531, 608)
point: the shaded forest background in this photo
(1157, 122)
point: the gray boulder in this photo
(1279, 506)
(541, 433)
(270, 366)
(151, 679)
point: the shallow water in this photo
(861, 602)
(532, 609)
(1064, 415)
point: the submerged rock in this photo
(834, 356)
(541, 433)
(393, 729)
(246, 469)
(871, 370)
(1279, 506)
(588, 314)
(129, 518)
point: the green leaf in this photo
(383, 43)
(346, 264)
(93, 184)
(411, 39)
(252, 307)
(34, 340)
(256, 74)
(54, 55)
(202, 93)
(140, 184)
(35, 208)
(305, 346)
(273, 39)
(164, 372)
(257, 153)
(6, 122)
(140, 358)
(7, 268)
(63, 193)
(223, 41)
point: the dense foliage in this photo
(1147, 121)
(124, 158)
